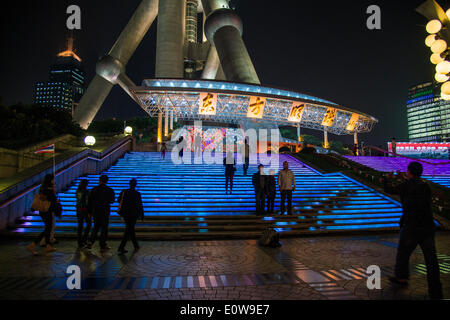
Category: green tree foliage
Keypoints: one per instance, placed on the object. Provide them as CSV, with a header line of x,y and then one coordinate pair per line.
x,y
22,125
144,128
289,133
309,139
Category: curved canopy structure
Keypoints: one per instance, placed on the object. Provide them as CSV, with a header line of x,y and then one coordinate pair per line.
x,y
230,102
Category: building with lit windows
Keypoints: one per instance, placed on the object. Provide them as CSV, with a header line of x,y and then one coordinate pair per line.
x,y
66,83
428,114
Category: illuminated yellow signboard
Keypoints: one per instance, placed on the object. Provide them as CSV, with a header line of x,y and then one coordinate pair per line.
x,y
208,103
256,107
352,122
296,112
329,117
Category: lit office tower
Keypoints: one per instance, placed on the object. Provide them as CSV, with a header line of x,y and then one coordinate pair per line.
x,y
65,85
428,115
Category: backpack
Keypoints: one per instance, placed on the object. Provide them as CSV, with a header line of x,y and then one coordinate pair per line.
x,y
270,238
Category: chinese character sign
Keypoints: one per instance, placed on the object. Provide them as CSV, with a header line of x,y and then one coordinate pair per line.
x,y
256,107
296,112
208,103
352,122
329,117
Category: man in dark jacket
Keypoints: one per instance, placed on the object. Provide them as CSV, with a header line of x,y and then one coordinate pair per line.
x,y
271,191
259,183
416,228
99,201
131,208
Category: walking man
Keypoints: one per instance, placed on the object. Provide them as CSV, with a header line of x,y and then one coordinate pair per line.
x,y
99,201
271,191
130,209
259,183
286,183
416,228
228,162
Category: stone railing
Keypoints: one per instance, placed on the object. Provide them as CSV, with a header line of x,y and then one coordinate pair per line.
x,y
17,199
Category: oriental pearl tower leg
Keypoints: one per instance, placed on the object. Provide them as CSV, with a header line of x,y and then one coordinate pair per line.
x,y
111,68
223,28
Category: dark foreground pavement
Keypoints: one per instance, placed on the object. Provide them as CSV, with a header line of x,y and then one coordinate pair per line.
x,y
308,268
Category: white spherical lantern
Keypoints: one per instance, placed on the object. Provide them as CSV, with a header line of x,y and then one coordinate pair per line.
x,y
445,96
445,89
443,67
439,46
434,26
128,130
430,40
89,140
441,77
448,13
436,58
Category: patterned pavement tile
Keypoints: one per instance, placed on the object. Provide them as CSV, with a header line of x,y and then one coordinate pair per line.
x,y
332,268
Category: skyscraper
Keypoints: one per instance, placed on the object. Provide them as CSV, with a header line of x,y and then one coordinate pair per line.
x,y
428,114
65,85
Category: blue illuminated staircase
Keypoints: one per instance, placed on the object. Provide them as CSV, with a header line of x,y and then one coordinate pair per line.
x,y
189,201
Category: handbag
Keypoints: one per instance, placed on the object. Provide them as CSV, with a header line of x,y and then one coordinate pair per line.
x,y
40,203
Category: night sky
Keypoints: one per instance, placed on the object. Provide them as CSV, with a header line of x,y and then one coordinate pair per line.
x,y
318,47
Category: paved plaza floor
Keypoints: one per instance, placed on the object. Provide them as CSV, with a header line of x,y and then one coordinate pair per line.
x,y
315,268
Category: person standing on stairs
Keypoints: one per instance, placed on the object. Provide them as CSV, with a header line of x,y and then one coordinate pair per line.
x,y
82,213
163,150
99,202
245,154
230,168
271,191
259,184
130,209
48,192
197,145
286,183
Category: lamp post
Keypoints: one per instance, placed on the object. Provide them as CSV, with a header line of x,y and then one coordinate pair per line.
x,y
89,141
128,130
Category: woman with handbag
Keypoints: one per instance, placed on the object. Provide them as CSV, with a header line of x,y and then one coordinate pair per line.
x,y
45,202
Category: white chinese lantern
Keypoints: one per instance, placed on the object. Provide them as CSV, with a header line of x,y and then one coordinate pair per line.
x,y
439,46
436,58
441,77
443,67
445,89
430,40
434,26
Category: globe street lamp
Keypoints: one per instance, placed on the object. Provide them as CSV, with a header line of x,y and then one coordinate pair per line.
x,y
89,141
128,130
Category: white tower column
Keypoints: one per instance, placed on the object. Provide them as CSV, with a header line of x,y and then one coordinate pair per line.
x,y
171,120
325,138
166,123
170,39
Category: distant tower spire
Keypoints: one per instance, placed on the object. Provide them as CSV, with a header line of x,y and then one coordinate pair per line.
x,y
69,52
